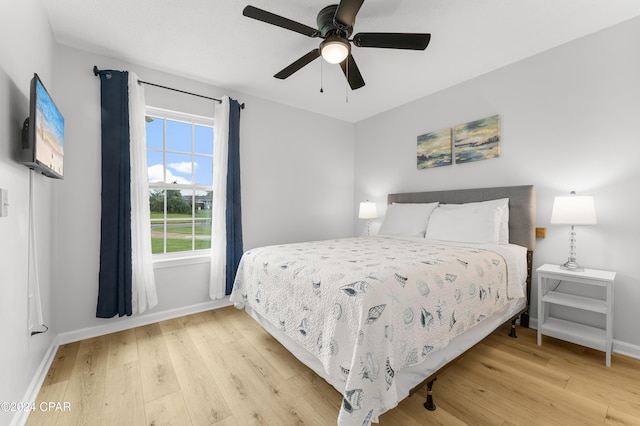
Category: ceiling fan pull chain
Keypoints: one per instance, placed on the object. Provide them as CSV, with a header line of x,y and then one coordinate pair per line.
x,y
346,84
321,89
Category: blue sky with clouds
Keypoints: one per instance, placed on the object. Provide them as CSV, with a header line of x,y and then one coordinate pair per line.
x,y
179,152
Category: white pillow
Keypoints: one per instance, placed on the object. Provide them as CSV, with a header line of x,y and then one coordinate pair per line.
x,y
407,219
466,224
503,237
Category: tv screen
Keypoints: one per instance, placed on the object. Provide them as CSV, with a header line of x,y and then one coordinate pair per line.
x,y
43,135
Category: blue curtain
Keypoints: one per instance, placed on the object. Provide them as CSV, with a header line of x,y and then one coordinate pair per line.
x,y
234,210
114,292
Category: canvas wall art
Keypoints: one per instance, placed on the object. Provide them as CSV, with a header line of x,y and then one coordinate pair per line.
x,y
477,140
434,149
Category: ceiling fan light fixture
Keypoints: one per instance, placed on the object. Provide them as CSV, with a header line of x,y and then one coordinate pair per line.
x,y
335,49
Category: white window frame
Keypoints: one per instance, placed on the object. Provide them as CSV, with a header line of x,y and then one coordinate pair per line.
x,y
179,258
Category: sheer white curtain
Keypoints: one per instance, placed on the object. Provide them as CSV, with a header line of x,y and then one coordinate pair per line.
x,y
143,291
217,280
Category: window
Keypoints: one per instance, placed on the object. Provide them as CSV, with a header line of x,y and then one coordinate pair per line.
x,y
180,171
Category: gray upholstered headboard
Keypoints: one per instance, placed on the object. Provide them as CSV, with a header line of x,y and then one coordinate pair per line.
x,y
522,206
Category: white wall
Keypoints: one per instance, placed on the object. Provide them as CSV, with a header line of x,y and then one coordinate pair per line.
x,y
297,182
26,47
569,122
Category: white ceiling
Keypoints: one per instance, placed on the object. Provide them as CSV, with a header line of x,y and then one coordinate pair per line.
x,y
210,41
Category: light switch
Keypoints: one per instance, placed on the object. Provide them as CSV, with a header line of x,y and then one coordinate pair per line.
x,y
4,202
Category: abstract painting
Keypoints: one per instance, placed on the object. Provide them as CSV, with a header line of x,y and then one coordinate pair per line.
x,y
477,140
434,149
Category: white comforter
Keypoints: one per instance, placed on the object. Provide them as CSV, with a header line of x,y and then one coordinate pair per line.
x,y
366,307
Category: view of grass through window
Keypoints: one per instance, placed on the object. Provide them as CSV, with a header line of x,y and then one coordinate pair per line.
x,y
180,163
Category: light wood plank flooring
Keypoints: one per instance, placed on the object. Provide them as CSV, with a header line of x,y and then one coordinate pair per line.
x,y
221,368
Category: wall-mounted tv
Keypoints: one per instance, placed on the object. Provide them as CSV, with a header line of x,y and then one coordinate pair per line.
x,y
43,133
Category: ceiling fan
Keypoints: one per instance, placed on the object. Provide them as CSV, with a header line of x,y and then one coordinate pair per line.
x,y
335,26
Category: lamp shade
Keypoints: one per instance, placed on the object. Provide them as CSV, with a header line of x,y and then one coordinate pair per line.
x,y
367,210
573,210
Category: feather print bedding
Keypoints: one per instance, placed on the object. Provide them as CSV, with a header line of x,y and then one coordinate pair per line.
x,y
367,307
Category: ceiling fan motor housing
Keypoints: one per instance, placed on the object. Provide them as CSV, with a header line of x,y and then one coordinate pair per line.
x,y
328,26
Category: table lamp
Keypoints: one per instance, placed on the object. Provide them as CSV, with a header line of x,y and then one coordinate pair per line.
x,y
573,210
368,211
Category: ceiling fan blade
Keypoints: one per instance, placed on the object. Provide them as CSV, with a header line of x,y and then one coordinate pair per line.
x,y
351,71
412,41
347,11
279,21
306,59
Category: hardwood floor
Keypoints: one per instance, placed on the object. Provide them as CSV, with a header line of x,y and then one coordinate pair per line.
x,y
221,368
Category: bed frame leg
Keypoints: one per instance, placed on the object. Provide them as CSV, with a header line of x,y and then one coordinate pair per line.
x,y
512,333
429,405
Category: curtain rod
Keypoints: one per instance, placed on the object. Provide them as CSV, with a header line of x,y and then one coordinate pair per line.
x,y
96,71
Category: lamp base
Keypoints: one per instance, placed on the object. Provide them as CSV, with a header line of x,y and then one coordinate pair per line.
x,y
571,265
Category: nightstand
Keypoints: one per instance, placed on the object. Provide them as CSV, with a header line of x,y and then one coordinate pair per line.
x,y
549,279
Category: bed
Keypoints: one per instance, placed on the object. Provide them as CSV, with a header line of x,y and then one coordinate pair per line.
x,y
379,317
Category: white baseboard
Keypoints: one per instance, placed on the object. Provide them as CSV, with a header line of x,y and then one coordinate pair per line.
x,y
20,418
619,347
626,349
137,321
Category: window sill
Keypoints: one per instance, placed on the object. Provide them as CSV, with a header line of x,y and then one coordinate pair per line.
x,y
163,261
